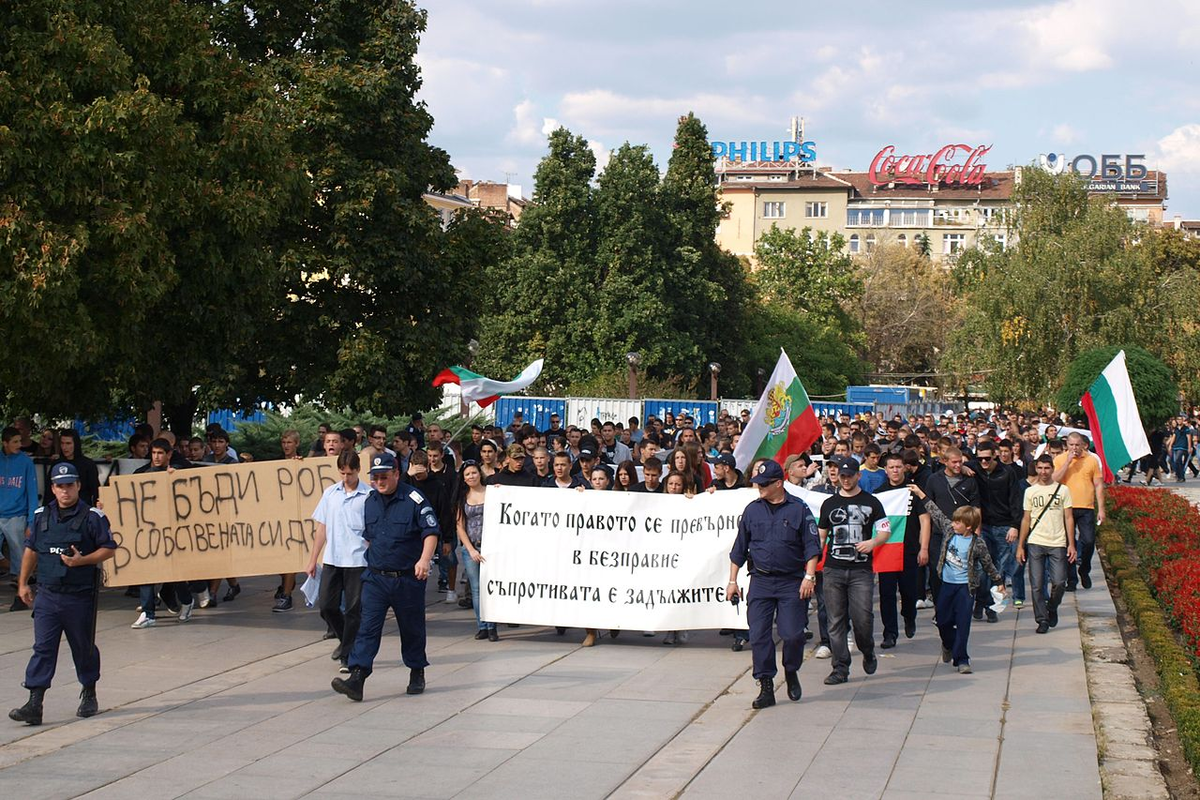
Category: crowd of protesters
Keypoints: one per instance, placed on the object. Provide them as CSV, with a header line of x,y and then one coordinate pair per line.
x,y
993,475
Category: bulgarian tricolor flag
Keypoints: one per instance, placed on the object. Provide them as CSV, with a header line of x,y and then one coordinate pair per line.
x,y
485,391
1113,418
895,502
783,422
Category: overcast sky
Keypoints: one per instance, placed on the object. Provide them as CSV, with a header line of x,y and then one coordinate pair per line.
x,y
1078,76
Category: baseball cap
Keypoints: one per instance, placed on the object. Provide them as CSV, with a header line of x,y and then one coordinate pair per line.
x,y
384,462
727,460
767,472
586,452
848,466
64,472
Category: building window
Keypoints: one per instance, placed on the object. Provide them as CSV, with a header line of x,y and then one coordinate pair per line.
x,y
953,243
949,216
870,242
816,210
902,240
854,243
909,218
1138,214
1001,239
869,217
773,210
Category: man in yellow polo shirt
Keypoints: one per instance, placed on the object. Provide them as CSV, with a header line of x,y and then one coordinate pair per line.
x,y
1080,471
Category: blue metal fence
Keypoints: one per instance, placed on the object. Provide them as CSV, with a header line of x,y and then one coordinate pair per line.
x,y
229,420
536,411
833,409
704,411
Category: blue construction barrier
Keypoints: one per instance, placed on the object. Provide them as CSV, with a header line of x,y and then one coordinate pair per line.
x,y
833,409
703,411
109,430
229,420
536,411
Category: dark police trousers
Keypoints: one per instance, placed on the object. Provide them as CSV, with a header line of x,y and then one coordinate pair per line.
x,y
405,596
56,613
776,599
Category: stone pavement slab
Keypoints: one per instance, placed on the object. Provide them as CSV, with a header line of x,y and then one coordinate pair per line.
x,y
237,703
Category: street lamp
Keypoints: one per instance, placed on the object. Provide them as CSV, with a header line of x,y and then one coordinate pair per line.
x,y
761,375
634,360
714,370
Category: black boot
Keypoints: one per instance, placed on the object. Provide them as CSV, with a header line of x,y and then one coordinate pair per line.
x,y
31,712
352,687
766,695
793,684
416,681
89,706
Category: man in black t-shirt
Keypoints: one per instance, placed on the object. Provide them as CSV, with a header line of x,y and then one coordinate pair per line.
x,y
852,524
916,555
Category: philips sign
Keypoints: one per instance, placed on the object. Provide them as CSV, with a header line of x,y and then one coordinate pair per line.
x,y
804,152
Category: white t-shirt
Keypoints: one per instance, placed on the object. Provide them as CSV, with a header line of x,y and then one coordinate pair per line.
x,y
341,512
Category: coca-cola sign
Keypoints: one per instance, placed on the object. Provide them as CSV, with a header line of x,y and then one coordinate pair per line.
x,y
954,164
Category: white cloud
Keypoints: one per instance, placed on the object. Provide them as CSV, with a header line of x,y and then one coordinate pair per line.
x,y
610,113
550,125
1179,150
602,153
1063,133
525,128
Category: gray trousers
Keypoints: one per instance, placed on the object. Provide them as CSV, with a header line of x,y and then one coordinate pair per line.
x,y
14,534
1039,558
849,598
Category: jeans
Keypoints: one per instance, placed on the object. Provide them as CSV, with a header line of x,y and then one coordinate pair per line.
x,y
1179,460
149,595
472,569
14,534
1085,544
338,583
1040,558
1004,556
906,582
848,596
445,563
954,619
822,611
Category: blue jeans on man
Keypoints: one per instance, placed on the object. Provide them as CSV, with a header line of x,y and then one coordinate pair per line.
x,y
1179,460
1004,556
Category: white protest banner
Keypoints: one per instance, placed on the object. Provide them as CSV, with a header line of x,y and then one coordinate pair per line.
x,y
224,521
610,560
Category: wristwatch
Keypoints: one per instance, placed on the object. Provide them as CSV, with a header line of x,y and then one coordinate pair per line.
x,y
812,578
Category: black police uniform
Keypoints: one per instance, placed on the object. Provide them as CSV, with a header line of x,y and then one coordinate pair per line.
x,y
66,598
778,540
395,528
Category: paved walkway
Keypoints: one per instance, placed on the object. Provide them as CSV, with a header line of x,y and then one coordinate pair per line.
x,y
237,703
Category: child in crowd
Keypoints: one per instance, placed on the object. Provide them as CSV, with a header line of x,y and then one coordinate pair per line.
x,y
963,555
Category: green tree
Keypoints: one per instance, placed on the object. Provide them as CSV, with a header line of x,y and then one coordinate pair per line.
x,y
712,293
807,270
373,306
1153,388
824,359
143,173
1080,276
541,307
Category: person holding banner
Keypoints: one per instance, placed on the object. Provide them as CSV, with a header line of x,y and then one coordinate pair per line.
x,y
777,540
401,530
67,542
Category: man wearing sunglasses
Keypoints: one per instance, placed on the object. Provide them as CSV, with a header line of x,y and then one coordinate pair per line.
x,y
1001,500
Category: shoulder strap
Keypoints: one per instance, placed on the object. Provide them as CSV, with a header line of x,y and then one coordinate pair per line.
x,y
1046,508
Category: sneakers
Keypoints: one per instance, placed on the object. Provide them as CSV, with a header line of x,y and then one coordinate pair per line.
x,y
977,613
682,637
1052,613
964,669
924,604
833,679
1085,580
185,611
822,652
206,599
465,601
739,642
169,601
671,638
233,592
452,597
946,655
143,622
991,616
1043,627
1018,603
283,604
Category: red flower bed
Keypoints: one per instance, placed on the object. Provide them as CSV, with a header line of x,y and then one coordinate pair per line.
x,y
1167,538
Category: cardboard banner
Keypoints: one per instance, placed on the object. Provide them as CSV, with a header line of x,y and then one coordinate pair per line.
x,y
610,560
221,522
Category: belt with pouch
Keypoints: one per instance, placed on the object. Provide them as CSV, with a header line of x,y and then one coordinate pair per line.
x,y
396,573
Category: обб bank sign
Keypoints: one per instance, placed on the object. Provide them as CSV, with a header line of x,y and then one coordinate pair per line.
x,y
944,166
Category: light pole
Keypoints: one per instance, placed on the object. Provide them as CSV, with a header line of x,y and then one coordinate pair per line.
x,y
634,360
472,350
761,375
714,370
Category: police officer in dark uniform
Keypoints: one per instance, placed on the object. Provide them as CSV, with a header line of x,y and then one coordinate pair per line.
x,y
67,542
401,531
778,537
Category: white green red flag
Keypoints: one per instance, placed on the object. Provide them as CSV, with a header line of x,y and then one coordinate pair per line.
x,y
1113,417
783,422
896,502
485,391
